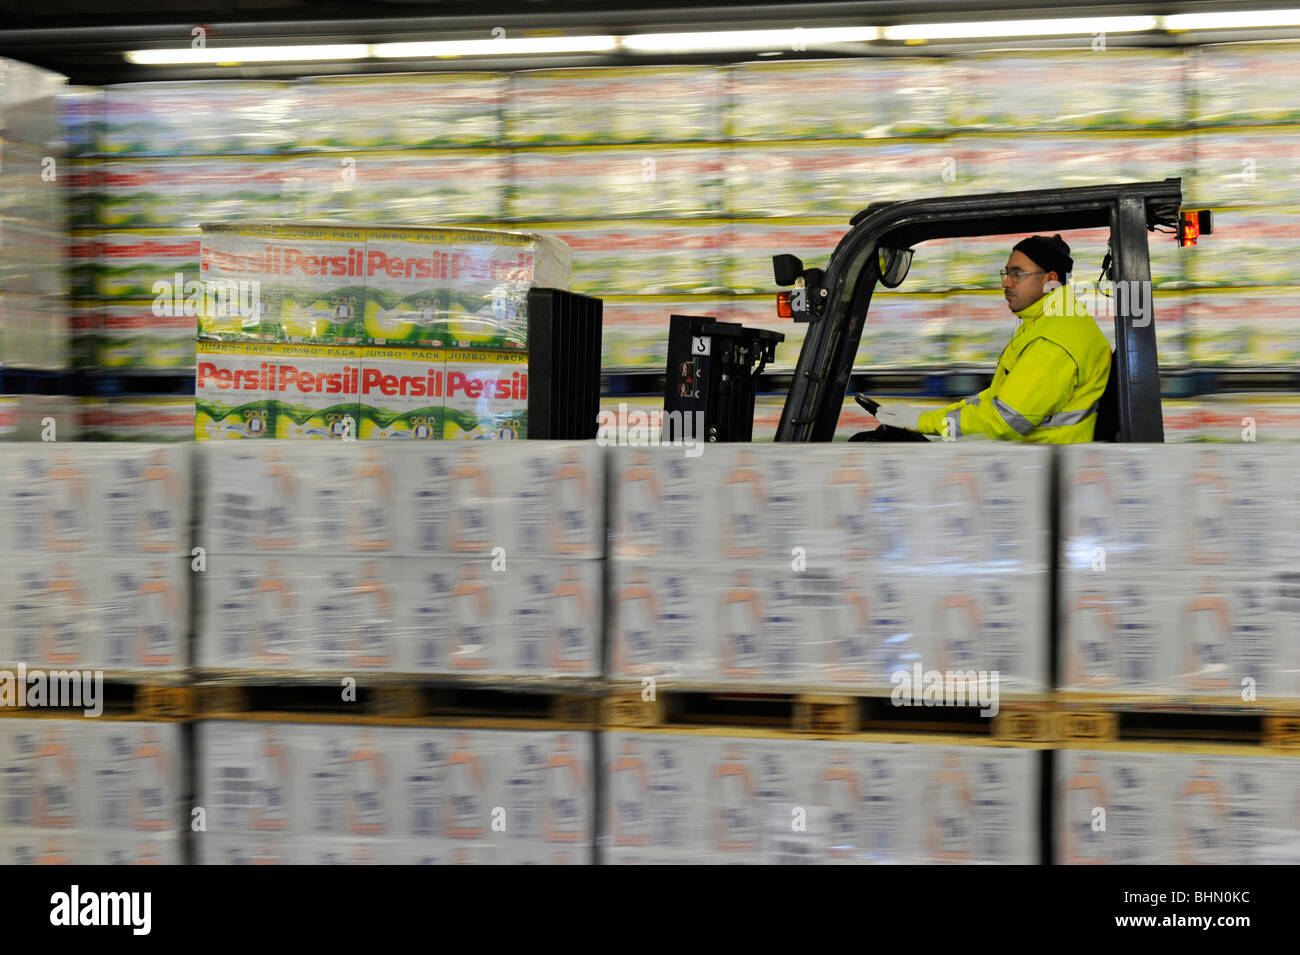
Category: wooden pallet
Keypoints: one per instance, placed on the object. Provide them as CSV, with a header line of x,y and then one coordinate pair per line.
x,y
121,701
817,714
398,703
1105,725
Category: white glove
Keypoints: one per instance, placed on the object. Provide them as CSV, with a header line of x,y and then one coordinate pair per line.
x,y
900,416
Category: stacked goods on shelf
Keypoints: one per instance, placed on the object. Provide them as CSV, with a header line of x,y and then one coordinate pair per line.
x,y
434,157
95,559
638,258
1176,571
1137,89
1264,417
637,105
1244,84
419,187
81,113
290,794
467,559
841,179
391,323
1244,326
1176,808
420,111
199,118
652,181
34,325
719,799
1246,170
129,334
167,157
726,570
153,419
91,792
839,99
38,417
1249,247
642,175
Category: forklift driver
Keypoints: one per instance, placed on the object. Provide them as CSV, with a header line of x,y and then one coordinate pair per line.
x,y
1051,374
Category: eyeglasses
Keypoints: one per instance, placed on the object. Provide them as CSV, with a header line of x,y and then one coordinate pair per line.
x,y
1018,274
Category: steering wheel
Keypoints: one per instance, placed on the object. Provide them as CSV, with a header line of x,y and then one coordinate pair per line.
x,y
884,432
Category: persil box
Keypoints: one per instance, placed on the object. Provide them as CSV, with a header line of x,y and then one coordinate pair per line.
x,y
354,284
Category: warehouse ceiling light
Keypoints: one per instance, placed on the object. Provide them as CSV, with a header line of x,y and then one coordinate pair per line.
x,y
503,46
921,32
248,54
1235,20
794,38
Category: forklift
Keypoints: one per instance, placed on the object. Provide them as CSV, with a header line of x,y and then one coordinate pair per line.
x,y
713,366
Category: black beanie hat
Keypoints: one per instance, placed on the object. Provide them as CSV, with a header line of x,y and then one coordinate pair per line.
x,y
1049,254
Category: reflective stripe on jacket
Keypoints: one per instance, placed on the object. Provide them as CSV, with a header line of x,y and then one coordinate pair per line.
x,y
1048,381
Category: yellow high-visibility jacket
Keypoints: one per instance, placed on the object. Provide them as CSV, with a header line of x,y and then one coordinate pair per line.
x,y
1048,381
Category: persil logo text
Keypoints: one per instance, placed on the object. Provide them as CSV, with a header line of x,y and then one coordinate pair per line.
x,y
427,382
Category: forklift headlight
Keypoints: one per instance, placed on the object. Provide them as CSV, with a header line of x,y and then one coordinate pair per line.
x,y
1192,224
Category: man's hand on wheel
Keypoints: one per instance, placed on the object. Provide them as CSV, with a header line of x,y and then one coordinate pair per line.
x,y
900,416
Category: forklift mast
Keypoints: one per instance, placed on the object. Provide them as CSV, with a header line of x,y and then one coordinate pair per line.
x,y
879,246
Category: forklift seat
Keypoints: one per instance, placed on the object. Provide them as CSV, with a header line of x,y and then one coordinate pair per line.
x,y
1107,428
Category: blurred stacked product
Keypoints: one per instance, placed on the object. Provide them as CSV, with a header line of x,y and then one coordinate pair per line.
x,y
469,559
1138,89
144,418
92,792
1176,808
717,799
638,105
420,149
339,332
839,99
1246,168
1177,566
289,794
421,187
466,561
94,567
34,325
726,570
39,417
154,160
640,182
1258,416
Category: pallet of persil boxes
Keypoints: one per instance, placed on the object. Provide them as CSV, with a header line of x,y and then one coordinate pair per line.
x,y
827,567
341,331
321,795
1178,572
447,558
92,792
95,557
716,799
